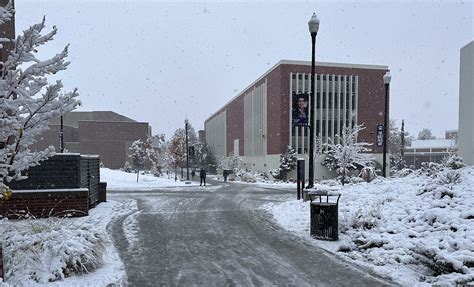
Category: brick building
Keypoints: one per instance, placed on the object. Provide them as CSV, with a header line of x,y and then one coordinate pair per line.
x,y
102,133
257,123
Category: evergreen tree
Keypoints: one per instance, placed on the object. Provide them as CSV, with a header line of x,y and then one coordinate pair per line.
x,y
288,162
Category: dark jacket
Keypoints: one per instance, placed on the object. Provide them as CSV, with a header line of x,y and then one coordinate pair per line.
x,y
202,173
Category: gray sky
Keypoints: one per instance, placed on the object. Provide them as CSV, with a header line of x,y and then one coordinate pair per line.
x,y
161,61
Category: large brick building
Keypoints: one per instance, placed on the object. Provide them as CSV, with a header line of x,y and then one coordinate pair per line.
x,y
102,133
257,123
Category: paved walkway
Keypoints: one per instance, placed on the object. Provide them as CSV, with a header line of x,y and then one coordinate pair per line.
x,y
217,236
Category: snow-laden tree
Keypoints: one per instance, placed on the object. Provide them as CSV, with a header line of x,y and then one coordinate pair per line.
x,y
348,153
177,148
426,134
232,162
144,152
137,155
288,161
27,100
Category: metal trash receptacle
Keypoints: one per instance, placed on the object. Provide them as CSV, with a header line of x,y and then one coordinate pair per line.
x,y
324,216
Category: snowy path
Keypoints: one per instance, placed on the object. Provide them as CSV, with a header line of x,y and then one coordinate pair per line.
x,y
217,237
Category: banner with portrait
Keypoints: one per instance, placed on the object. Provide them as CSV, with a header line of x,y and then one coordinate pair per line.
x,y
300,109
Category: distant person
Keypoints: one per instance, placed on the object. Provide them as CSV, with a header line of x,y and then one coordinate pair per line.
x,y
224,173
193,173
202,175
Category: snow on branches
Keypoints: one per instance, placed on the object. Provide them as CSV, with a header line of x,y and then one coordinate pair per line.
x,y
28,101
348,153
287,163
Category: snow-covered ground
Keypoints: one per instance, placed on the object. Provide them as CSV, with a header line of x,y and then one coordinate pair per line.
x,y
119,180
37,250
415,229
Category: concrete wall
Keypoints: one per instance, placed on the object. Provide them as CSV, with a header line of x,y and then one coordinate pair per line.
x,y
466,104
216,135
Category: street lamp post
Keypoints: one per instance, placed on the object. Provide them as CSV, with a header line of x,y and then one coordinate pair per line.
x,y
61,136
313,25
187,149
386,80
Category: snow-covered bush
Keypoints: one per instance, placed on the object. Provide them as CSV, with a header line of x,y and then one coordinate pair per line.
x,y
404,172
50,250
453,161
438,259
248,177
127,167
288,162
431,169
368,173
361,218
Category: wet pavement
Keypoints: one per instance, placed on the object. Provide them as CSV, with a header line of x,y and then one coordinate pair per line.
x,y
217,236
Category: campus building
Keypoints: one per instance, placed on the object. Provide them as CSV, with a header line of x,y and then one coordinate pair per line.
x,y
258,124
434,150
103,133
466,104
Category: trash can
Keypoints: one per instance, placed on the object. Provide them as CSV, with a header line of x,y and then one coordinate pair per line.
x,y
324,216
103,192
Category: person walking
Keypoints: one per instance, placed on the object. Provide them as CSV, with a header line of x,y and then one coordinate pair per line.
x,y
202,175
224,173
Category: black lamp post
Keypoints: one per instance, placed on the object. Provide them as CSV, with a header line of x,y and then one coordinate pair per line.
x,y
61,136
313,25
386,80
187,149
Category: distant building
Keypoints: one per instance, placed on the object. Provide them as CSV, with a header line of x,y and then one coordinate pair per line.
x,y
466,104
102,133
258,124
451,134
430,150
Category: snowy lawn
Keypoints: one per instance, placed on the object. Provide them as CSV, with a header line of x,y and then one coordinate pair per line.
x,y
119,180
417,229
64,251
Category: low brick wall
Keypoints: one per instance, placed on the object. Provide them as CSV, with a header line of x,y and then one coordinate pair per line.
x,y
45,203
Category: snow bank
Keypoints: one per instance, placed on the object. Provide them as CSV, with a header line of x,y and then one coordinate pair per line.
x,y
119,180
64,251
416,229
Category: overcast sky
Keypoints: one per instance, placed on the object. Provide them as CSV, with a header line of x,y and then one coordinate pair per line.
x,y
159,62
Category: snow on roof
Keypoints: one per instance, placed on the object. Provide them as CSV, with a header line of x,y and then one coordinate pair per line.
x,y
436,143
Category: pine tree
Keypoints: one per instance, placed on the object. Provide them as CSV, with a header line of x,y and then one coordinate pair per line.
x,y
288,162
27,100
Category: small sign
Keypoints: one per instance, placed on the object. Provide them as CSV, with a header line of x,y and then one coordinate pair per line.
x,y
380,135
191,151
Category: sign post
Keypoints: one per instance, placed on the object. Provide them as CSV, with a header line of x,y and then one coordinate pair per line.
x,y
299,178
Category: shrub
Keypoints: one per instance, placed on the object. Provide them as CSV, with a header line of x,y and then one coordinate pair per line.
x,y
368,173
49,250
